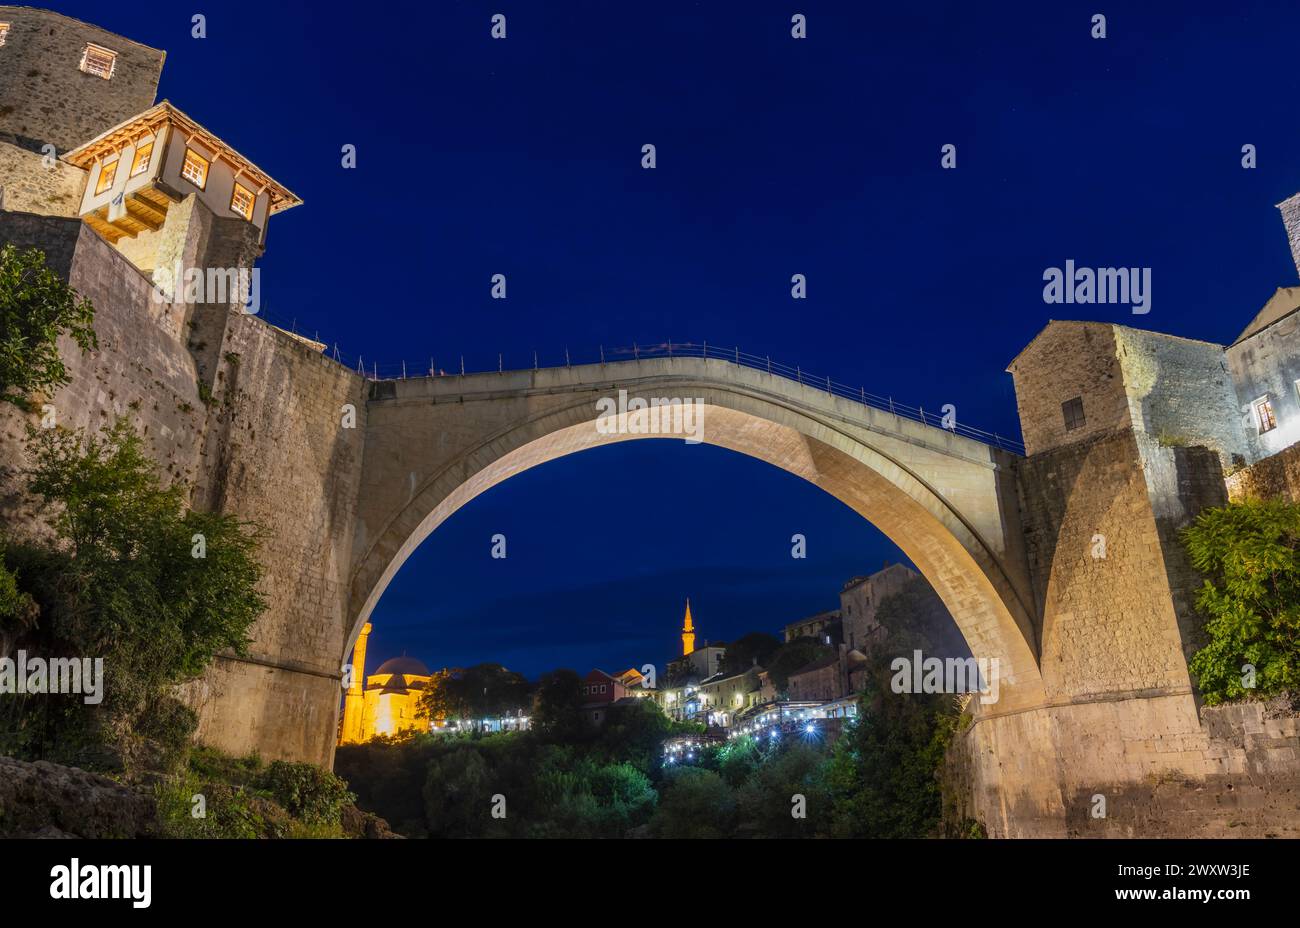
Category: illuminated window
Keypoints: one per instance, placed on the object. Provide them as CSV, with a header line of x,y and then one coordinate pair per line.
x,y
107,172
1264,415
242,200
143,154
195,169
1072,410
4,32
98,61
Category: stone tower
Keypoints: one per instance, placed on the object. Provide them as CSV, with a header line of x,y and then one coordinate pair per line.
x,y
688,632
353,701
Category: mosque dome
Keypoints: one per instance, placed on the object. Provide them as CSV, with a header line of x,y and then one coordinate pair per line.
x,y
406,666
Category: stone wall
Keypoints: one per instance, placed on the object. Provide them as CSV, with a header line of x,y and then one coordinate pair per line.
x,y
275,452
44,94
1102,509
141,370
1068,360
1159,769
30,183
1290,209
269,447
860,600
1177,390
1106,623
1180,392
1267,365
1277,476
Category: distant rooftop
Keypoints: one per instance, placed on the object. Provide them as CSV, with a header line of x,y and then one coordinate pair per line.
x,y
1283,302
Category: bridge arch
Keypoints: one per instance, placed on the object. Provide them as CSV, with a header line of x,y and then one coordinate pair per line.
x,y
948,502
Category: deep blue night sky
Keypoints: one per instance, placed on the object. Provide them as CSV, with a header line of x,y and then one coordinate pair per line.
x,y
775,157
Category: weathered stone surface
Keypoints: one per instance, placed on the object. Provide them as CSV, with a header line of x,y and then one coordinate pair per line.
x,y
1177,391
358,824
33,184
1274,477
43,800
44,94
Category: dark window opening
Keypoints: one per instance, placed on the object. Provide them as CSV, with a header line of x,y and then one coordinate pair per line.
x,y
1073,412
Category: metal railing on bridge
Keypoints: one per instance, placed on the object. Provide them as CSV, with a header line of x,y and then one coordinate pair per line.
x,y
403,371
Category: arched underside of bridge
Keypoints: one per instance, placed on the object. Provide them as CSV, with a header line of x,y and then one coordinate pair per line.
x,y
965,569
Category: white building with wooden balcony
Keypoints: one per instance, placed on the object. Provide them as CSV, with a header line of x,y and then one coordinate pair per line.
x,y
138,170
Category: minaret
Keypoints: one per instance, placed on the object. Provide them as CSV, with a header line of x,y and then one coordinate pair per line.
x,y
688,631
353,701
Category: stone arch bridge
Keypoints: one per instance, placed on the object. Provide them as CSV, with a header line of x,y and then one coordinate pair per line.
x,y
947,500
1094,692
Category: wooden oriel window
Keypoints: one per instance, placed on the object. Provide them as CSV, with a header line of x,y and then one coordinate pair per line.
x,y
143,155
195,169
107,171
242,200
98,61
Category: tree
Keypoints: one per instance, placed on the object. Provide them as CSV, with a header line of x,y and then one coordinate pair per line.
x,y
17,608
696,804
437,702
153,588
478,692
792,655
766,800
458,791
915,618
557,707
1250,554
635,733
745,651
36,307
161,587
884,776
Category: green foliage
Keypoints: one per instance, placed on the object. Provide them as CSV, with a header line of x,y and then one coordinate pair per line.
x,y
313,794
227,812
695,804
745,650
133,587
793,655
389,779
633,733
36,307
914,618
458,791
765,800
557,706
240,798
884,776
18,611
738,760
125,586
565,779
1250,555
478,692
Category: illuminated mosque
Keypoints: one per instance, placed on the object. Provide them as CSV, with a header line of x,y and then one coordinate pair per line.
x,y
385,703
